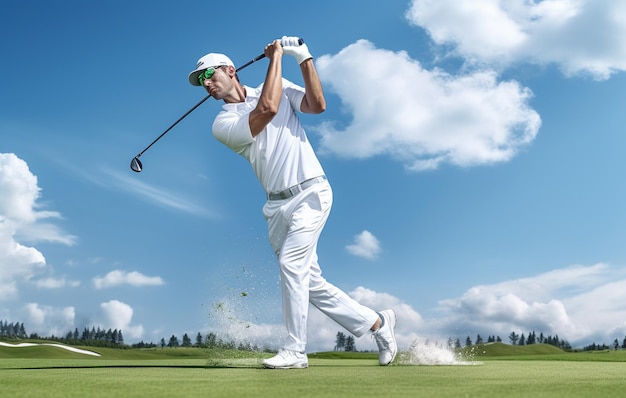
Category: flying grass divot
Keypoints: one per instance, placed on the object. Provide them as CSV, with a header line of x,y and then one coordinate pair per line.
x,y
431,354
233,358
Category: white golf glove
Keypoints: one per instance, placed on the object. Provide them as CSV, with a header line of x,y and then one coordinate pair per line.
x,y
291,46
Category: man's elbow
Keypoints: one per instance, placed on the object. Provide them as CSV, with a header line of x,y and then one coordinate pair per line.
x,y
321,107
268,111
315,107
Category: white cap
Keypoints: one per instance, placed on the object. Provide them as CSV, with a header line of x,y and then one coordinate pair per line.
x,y
209,60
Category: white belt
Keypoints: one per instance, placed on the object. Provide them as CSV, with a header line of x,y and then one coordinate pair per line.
x,y
296,189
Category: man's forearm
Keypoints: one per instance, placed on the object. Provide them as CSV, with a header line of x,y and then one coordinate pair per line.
x,y
314,101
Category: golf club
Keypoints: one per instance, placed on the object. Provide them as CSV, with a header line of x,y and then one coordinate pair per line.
x,y
136,165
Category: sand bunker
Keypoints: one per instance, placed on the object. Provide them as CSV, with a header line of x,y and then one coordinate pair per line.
x,y
65,347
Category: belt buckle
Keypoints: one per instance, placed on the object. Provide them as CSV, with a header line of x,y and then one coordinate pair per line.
x,y
293,191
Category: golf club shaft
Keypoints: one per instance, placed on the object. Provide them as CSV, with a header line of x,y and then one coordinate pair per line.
x,y
253,60
135,163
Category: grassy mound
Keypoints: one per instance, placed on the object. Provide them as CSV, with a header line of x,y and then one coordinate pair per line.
x,y
501,349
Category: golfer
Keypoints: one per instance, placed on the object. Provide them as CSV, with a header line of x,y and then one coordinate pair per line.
x,y
261,125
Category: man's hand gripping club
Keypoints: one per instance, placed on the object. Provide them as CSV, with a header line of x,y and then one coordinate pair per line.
x,y
295,47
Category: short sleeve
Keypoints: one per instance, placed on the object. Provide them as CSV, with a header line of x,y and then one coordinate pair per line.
x,y
233,130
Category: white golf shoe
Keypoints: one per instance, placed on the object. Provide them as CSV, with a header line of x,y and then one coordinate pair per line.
x,y
287,359
385,338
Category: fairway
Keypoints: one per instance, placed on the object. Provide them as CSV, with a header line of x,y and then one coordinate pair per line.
x,y
196,377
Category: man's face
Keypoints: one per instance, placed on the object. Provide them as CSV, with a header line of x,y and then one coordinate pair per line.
x,y
220,83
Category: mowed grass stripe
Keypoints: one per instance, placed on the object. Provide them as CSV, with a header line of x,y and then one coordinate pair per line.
x,y
324,378
504,371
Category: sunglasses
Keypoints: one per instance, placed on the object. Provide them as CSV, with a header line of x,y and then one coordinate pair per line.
x,y
207,74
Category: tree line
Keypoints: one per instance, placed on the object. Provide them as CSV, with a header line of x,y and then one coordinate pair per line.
x,y
343,343
514,339
533,338
211,340
95,336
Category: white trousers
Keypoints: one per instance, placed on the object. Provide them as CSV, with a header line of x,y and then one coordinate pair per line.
x,y
294,226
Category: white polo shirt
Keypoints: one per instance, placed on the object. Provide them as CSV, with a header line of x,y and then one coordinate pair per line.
x,y
281,155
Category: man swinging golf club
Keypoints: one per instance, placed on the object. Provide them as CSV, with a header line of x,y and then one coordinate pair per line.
x,y
261,125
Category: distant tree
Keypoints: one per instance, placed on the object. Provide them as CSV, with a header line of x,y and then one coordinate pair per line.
x,y
186,341
22,331
616,344
450,343
522,340
557,342
457,343
211,340
141,344
479,340
513,337
624,343
198,340
542,339
163,342
596,347
468,342
498,339
340,341
108,336
173,343
350,344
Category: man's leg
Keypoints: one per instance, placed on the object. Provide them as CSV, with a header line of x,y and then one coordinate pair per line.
x,y
338,306
355,317
294,228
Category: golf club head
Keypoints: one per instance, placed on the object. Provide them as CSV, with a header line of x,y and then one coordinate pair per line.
x,y
135,165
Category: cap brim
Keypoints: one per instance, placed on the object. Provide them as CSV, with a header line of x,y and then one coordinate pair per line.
x,y
193,77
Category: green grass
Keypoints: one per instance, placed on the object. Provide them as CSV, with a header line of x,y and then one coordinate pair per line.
x,y
499,351
501,371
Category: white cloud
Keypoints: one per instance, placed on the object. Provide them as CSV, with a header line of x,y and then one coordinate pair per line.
x,y
365,245
47,320
56,283
119,277
150,193
119,315
579,303
20,219
423,118
580,36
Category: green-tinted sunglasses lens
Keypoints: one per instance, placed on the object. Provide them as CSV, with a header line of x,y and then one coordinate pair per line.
x,y
207,74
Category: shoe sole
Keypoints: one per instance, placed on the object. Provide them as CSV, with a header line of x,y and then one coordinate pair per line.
x,y
296,366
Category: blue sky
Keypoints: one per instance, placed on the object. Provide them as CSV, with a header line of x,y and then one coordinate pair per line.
x,y
476,152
